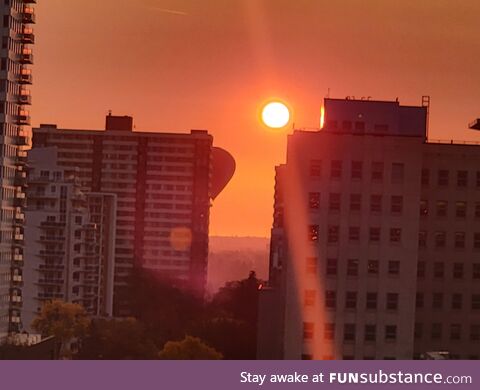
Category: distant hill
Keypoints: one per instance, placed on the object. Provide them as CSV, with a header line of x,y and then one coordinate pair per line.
x,y
232,258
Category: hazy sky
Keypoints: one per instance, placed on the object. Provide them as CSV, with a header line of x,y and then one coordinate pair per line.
x,y
209,64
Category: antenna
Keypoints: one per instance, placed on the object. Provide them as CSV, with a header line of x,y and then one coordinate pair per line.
x,y
426,104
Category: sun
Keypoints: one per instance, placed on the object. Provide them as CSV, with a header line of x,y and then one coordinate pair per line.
x,y
275,115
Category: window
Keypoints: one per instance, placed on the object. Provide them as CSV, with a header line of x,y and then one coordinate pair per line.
x,y
425,177
347,125
418,330
455,331
477,209
355,202
374,234
461,209
458,271
377,171
393,267
336,169
457,301
314,200
359,127
437,301
459,240
311,266
306,356
354,233
423,208
436,331
308,330
440,239
419,300
78,220
332,265
313,233
356,169
476,271
380,128
352,267
442,208
309,298
351,300
475,332
422,238
395,235
438,270
442,178
334,202
315,168
371,303
370,332
392,301
329,331
349,332
475,301
462,178
397,172
476,240
391,332
330,299
421,269
376,203
396,204
333,233
372,267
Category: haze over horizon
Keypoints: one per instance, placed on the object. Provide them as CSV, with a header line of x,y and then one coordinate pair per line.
x,y
176,65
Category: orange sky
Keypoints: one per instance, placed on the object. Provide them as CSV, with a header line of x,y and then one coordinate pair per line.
x,y
181,64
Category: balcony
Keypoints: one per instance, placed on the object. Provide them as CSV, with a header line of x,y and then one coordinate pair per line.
x,y
19,201
18,257
16,300
21,139
26,56
51,267
23,118
25,76
27,36
28,15
20,178
17,280
55,282
24,97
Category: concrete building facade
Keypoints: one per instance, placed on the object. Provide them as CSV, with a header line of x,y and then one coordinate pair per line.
x,y
164,183
15,76
348,240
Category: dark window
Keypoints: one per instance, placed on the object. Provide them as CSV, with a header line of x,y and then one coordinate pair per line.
x,y
419,300
374,234
357,169
371,303
355,202
349,332
442,208
438,270
308,330
421,269
359,127
459,240
333,233
458,271
354,233
373,267
462,178
397,172
475,332
315,168
475,301
352,267
478,179
376,203
442,177
440,239
351,300
461,209
476,270
418,330
370,332
396,204
423,208
313,233
336,169
476,240
392,301
436,331
395,235
422,238
390,332
330,299
457,301
393,267
425,177
314,200
477,210
437,301
455,331
332,267
377,171
347,125
329,331
334,202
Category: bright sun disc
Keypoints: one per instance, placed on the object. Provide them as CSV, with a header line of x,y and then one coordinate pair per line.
x,y
275,115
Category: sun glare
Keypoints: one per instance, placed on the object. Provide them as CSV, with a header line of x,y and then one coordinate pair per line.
x,y
275,115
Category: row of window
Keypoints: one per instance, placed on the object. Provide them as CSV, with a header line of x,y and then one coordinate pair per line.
x,y
441,208
333,234
456,301
351,299
455,332
349,332
377,170
438,271
353,267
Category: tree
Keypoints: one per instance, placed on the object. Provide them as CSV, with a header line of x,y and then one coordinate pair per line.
x,y
117,339
68,322
190,348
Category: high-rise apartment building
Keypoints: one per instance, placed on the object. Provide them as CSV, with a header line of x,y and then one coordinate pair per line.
x,y
15,76
69,240
374,249
164,183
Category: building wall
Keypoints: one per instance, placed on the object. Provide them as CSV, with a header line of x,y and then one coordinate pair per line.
x,y
15,56
162,182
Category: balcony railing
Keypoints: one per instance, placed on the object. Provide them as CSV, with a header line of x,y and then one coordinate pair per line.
x,y
25,76
24,97
28,15
26,56
27,36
